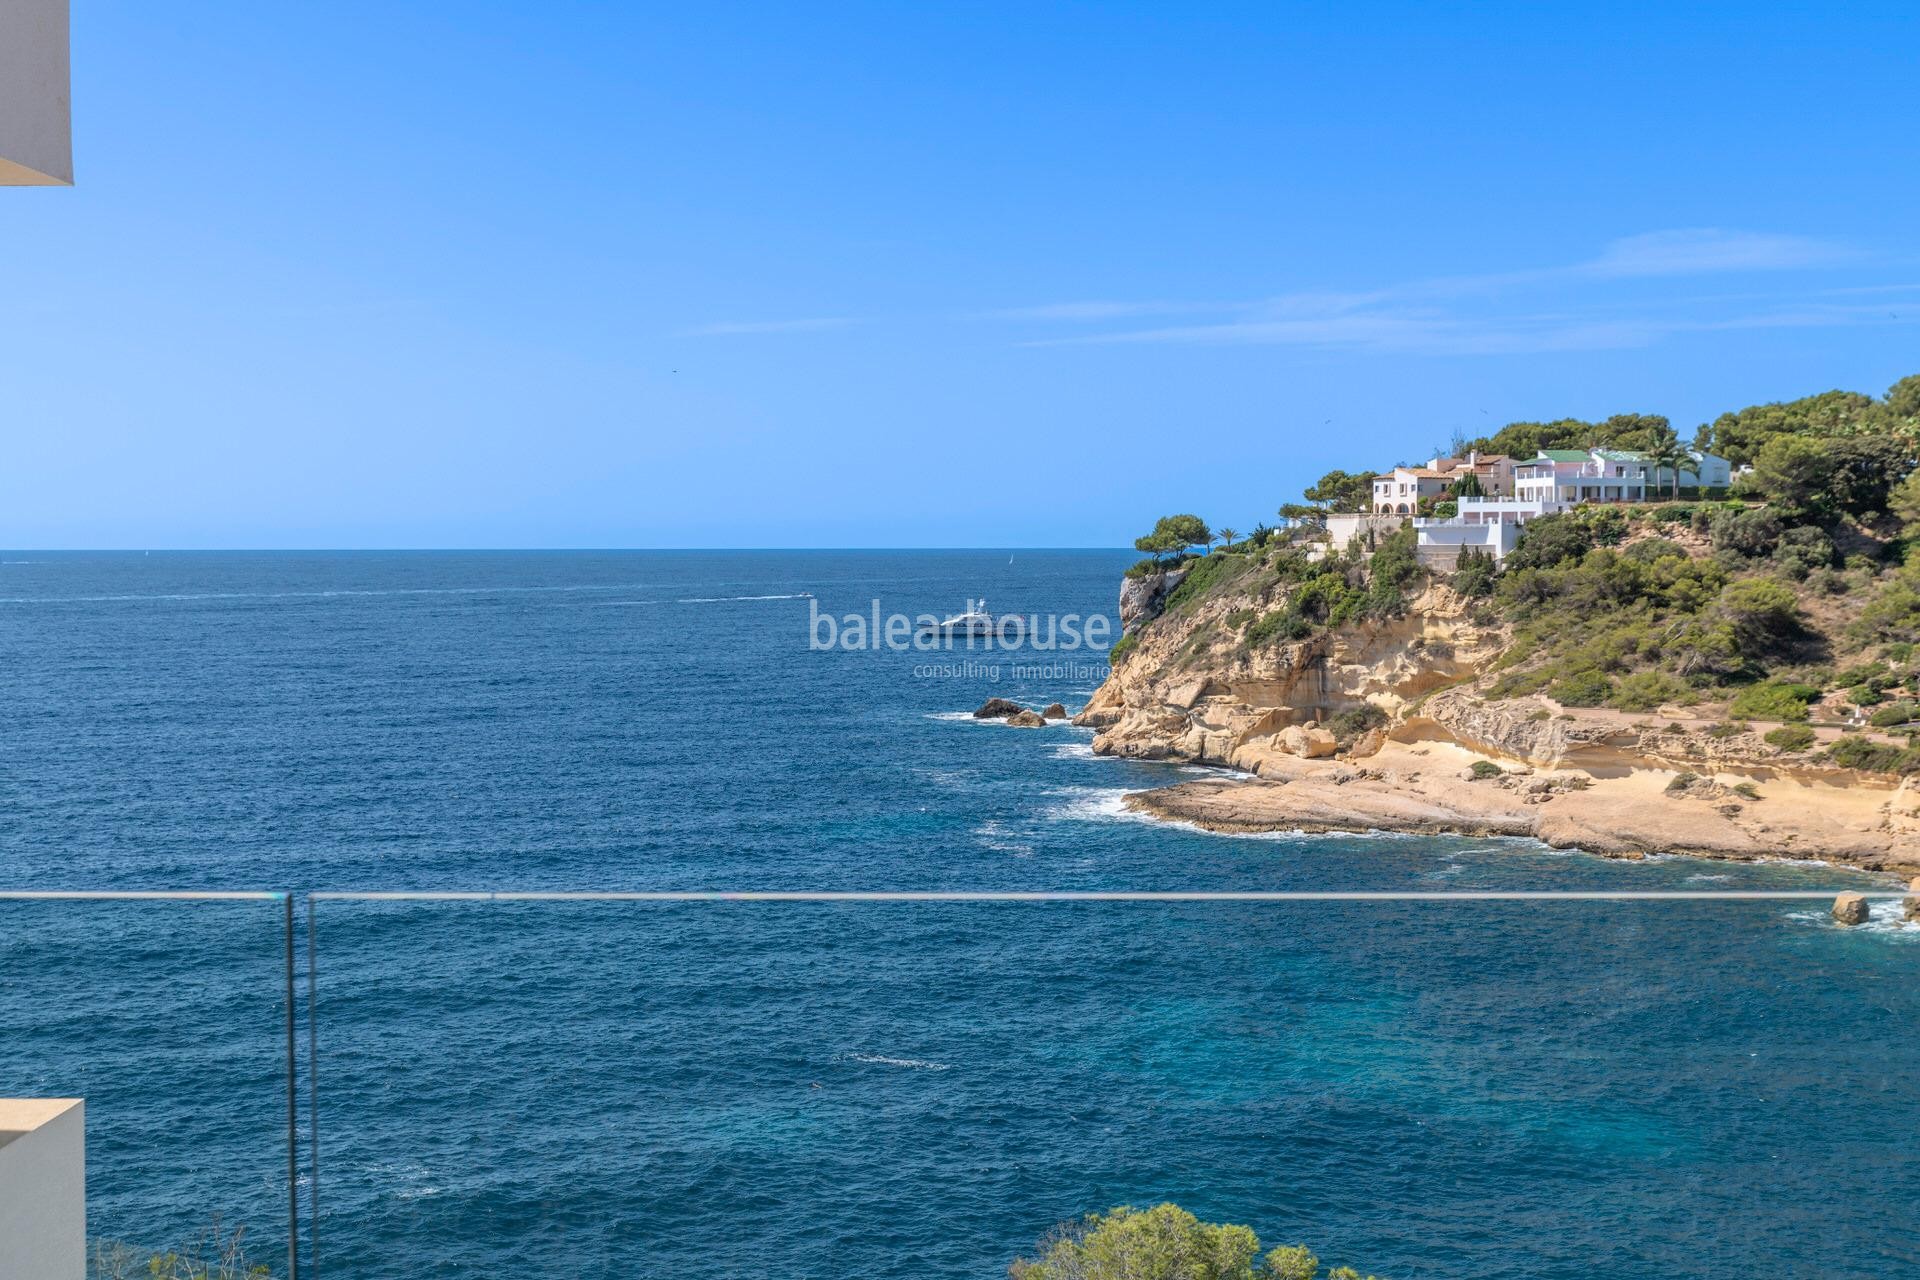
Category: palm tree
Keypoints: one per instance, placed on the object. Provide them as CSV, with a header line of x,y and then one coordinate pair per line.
x,y
1226,538
1667,453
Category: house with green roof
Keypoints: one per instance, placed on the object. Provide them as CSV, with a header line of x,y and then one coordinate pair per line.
x,y
1608,475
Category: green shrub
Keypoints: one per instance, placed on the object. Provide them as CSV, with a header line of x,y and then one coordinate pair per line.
x,y
1647,690
1281,624
1773,701
1474,573
1551,541
1791,737
1484,769
1680,782
1647,550
1856,752
1152,565
1240,618
1351,723
1204,576
1124,646
1747,789
1582,689
1801,551
216,1255
1746,532
1865,695
1163,1243
1728,729
1873,674
1894,713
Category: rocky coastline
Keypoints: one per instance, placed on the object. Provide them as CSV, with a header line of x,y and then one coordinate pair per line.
x,y
1389,728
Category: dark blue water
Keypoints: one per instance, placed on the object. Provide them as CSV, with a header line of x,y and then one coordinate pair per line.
x,y
587,1090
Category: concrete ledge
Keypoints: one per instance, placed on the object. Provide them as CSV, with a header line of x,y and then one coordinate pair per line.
x,y
36,95
43,1188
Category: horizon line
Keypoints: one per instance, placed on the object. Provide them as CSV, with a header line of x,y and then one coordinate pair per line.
x,y
583,549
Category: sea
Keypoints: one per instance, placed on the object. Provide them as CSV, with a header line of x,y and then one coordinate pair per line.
x,y
555,1088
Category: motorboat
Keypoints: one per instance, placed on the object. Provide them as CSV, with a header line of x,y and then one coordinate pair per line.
x,y
977,621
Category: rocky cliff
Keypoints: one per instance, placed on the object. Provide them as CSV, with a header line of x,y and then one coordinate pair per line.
x,y
1388,725
1194,686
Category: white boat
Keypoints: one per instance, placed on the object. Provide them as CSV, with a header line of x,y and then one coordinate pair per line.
x,y
976,621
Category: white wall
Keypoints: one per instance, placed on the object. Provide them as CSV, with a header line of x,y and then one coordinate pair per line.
x,y
36,126
43,1188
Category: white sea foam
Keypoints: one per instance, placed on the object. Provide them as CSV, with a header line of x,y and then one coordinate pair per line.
x,y
1886,917
993,834
1073,751
951,779
615,604
412,1175
1092,804
915,1064
1108,804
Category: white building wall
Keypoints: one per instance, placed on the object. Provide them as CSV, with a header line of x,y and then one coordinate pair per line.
x,y
36,126
43,1187
1440,542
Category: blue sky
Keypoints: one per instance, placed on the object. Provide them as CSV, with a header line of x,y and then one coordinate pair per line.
x,y
488,274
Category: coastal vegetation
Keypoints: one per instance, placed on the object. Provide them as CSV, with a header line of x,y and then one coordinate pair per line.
x,y
218,1254
1165,1243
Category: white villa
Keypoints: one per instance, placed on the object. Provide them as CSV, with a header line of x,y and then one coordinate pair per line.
x,y
1557,480
1401,491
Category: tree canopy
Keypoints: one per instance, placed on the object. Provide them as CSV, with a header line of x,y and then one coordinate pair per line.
x,y
1165,1243
1341,491
1740,436
1174,534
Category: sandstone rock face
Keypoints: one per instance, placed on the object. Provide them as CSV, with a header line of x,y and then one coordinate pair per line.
x,y
1910,907
1141,599
1308,743
1368,744
1241,696
1055,711
1850,908
994,708
1027,720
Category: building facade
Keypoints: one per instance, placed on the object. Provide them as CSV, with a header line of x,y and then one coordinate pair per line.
x,y
1402,490
36,115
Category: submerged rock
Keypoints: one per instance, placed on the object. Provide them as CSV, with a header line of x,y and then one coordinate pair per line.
x,y
1024,719
1850,908
994,708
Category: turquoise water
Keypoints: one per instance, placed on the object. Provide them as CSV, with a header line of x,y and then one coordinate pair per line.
x,y
584,1090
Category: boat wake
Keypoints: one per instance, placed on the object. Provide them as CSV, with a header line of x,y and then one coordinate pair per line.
x,y
914,1064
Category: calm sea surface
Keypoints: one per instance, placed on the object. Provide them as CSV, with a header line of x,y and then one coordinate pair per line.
x,y
613,1090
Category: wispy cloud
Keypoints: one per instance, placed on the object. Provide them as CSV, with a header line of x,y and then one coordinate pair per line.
x,y
1101,310
736,328
1701,250
1465,315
